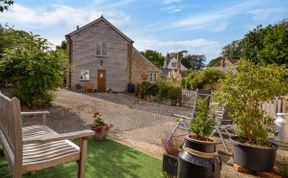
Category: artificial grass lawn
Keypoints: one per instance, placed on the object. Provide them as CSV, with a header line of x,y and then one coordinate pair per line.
x,y
105,159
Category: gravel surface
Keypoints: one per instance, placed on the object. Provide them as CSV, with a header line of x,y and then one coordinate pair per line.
x,y
121,116
137,123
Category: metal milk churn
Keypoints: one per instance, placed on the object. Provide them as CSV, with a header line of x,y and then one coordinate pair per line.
x,y
281,127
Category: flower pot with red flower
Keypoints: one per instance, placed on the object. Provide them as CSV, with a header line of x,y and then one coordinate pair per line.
x,y
100,127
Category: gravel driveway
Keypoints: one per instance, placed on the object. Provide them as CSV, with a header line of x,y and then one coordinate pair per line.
x,y
137,123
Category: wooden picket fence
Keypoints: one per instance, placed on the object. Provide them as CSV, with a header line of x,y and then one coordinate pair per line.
x,y
277,105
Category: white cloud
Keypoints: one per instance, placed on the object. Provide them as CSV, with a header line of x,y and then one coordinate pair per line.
x,y
58,20
63,14
217,20
173,9
210,49
199,21
261,14
171,1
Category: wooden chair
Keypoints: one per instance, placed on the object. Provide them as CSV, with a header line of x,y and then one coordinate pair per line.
x,y
37,147
184,123
89,87
185,120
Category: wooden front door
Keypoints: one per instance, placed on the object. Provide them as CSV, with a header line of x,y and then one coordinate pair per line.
x,y
101,80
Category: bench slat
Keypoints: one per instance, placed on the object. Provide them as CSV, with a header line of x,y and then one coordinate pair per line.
x,y
40,155
37,147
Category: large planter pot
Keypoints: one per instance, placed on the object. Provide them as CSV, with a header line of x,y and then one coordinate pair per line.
x,y
204,146
199,159
101,132
170,164
252,157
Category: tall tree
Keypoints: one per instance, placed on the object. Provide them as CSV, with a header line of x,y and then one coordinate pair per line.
x,y
7,40
155,57
4,4
232,50
62,46
252,43
267,45
32,67
215,62
194,62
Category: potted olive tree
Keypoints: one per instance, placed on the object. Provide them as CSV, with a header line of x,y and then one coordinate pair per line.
x,y
199,157
243,91
100,127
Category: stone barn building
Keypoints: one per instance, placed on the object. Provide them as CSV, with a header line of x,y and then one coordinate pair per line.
x,y
101,55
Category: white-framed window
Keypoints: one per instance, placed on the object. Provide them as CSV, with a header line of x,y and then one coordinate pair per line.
x,y
101,49
84,75
174,64
152,77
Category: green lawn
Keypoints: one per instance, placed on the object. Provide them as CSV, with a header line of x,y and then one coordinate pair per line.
x,y
105,159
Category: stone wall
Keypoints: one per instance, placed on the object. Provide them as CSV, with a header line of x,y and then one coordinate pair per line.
x,y
84,56
141,68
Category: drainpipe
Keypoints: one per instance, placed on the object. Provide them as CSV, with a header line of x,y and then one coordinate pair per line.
x,y
130,46
69,55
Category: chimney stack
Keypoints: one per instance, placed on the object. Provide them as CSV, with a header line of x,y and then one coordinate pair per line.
x,y
77,27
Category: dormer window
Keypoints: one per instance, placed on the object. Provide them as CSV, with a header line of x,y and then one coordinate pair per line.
x,y
174,64
101,49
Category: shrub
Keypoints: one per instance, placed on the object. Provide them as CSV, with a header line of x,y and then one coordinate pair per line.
x,y
169,90
284,170
202,123
98,121
244,91
33,68
205,79
147,88
78,86
144,89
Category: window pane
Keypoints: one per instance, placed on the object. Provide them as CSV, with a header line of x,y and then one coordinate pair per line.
x,y
154,77
98,49
150,77
87,77
84,75
104,49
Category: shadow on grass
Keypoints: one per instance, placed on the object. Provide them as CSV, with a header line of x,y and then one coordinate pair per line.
x,y
105,159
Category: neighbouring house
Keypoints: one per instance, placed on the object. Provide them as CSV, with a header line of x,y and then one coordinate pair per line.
x,y
103,56
173,68
227,64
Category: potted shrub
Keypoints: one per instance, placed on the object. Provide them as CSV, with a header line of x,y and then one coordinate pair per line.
x,y
172,146
243,91
199,157
78,87
100,127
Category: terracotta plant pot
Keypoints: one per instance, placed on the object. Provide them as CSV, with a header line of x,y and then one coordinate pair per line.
x,y
101,132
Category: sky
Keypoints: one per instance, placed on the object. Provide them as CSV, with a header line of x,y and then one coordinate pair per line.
x,y
200,26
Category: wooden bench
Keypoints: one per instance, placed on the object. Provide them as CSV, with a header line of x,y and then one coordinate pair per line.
x,y
37,147
89,87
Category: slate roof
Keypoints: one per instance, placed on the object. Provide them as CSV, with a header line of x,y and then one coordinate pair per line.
x,y
99,20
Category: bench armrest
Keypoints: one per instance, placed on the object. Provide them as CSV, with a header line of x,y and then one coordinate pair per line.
x,y
57,137
182,116
43,113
